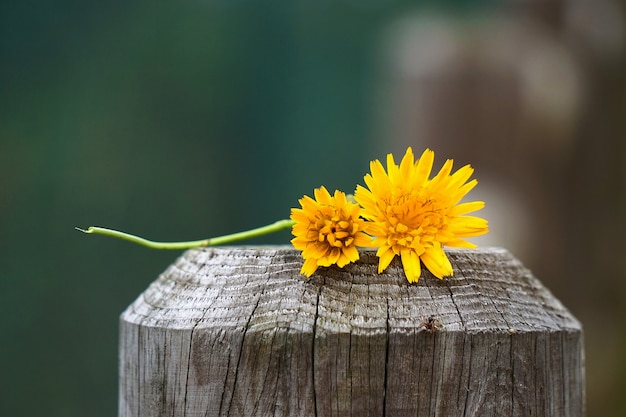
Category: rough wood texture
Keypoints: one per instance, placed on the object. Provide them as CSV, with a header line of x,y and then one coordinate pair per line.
x,y
238,332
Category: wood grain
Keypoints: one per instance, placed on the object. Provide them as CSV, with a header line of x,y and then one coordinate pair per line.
x,y
237,331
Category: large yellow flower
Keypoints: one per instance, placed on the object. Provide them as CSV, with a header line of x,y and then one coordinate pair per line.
x,y
327,230
413,216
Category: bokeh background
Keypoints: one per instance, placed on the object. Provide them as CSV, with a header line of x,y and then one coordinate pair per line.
x,y
184,120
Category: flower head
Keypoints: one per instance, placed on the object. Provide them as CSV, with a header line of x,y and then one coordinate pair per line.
x,y
413,216
327,230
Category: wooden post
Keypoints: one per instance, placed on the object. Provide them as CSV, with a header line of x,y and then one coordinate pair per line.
x,y
239,332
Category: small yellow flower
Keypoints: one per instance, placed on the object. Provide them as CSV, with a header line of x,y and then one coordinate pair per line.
x,y
327,230
413,216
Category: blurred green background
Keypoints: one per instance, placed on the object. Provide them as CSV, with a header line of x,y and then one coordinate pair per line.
x,y
186,120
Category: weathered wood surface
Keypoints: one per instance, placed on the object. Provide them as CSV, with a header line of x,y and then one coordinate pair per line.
x,y
238,332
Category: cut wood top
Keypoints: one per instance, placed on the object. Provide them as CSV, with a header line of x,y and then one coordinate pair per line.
x,y
259,288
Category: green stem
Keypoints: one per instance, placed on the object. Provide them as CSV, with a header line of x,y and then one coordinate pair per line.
x,y
220,240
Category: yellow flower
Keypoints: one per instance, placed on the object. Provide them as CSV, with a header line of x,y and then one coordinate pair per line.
x,y
327,230
413,216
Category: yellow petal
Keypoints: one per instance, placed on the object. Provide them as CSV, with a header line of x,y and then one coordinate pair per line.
x,y
458,194
309,267
392,169
385,256
411,265
459,243
469,226
443,174
468,207
361,239
352,254
406,167
437,262
322,196
424,166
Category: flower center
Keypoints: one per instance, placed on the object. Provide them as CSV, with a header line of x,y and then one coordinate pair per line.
x,y
414,222
335,230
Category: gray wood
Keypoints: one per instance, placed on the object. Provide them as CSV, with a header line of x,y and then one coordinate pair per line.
x,y
238,332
